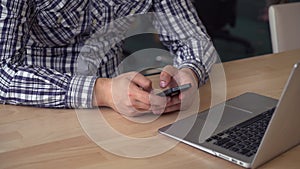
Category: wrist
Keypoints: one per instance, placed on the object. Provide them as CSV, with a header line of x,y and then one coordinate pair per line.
x,y
102,92
191,72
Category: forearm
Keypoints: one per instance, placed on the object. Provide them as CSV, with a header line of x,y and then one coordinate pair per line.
x,y
185,36
41,87
197,55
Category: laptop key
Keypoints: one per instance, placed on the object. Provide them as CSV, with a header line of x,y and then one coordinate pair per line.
x,y
244,138
235,149
209,140
244,151
222,141
228,145
249,154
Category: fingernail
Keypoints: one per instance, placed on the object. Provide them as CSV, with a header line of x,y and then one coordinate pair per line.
x,y
163,84
155,112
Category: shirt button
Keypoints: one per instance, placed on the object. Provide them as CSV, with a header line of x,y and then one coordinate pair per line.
x,y
59,19
133,11
95,22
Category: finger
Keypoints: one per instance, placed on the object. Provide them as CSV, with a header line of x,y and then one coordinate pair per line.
x,y
172,108
142,81
172,105
182,96
186,95
149,107
158,101
140,106
136,93
157,109
166,75
174,100
150,99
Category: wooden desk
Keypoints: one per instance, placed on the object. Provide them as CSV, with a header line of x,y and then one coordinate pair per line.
x,y
50,138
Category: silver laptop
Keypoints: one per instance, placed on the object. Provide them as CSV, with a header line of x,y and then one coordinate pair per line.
x,y
252,130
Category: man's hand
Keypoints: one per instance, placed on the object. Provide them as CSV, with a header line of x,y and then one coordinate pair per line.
x,y
129,94
171,77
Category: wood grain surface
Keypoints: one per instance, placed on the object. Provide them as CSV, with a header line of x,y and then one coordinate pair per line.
x,y
53,138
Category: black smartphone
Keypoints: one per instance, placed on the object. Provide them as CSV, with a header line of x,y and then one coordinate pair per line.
x,y
175,90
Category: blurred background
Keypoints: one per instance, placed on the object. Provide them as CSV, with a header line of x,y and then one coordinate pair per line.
x,y
239,29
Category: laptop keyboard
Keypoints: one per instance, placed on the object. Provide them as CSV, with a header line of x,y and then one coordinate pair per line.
x,y
245,137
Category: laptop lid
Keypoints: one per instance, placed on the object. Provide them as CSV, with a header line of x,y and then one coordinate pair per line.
x,y
283,131
236,111
249,104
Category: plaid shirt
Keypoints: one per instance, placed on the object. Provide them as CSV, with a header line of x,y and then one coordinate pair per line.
x,y
41,40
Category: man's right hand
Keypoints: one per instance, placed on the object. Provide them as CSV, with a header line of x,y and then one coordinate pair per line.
x,y
129,94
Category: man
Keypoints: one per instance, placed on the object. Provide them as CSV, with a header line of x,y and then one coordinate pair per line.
x,y
41,41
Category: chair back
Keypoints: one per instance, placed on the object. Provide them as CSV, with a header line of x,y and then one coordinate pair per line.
x,y
284,21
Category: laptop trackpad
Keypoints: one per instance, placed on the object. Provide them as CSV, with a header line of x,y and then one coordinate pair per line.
x,y
233,116
252,103
220,121
239,109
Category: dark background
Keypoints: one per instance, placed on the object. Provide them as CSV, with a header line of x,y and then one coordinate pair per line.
x,y
249,26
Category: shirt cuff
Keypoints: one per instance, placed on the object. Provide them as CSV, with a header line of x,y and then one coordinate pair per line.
x,y
198,69
80,93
